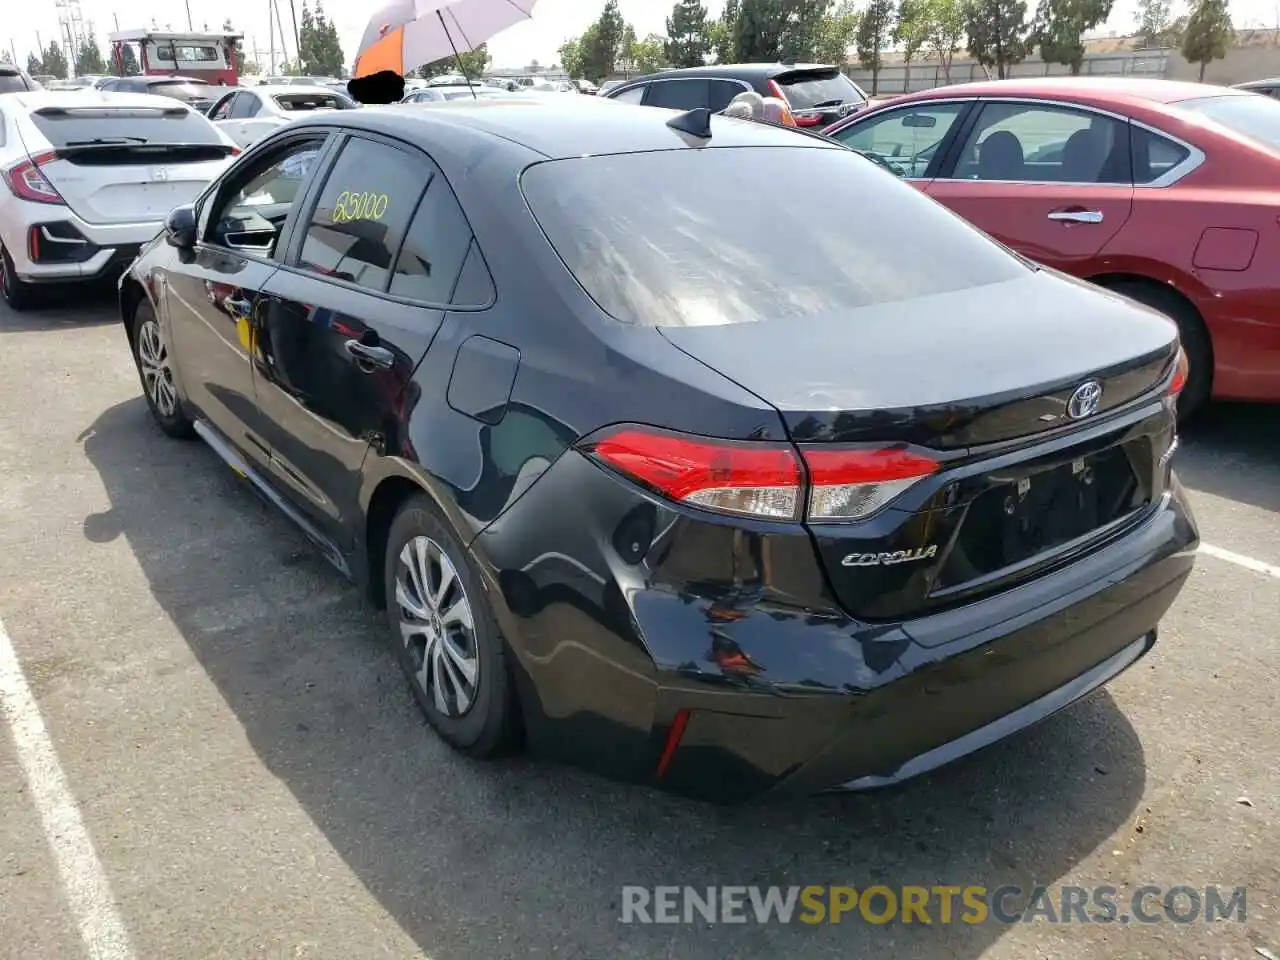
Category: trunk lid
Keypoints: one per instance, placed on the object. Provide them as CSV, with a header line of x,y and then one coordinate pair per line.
x,y
979,381
118,163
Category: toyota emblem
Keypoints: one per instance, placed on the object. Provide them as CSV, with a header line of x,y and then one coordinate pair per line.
x,y
1085,400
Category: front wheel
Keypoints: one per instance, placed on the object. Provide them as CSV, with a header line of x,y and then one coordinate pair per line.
x,y
155,369
444,634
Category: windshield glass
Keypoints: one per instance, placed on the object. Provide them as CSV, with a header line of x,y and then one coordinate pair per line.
x,y
805,90
184,90
703,257
133,125
1251,115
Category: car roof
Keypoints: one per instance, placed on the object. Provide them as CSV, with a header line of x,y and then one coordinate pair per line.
x,y
1115,89
737,70
292,88
87,97
561,127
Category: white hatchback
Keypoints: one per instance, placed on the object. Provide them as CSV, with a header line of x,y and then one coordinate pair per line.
x,y
247,116
89,177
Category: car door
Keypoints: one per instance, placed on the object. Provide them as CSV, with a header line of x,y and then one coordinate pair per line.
x,y
1053,181
213,292
348,318
911,140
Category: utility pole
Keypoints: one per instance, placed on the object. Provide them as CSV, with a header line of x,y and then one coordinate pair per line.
x,y
271,40
189,24
297,37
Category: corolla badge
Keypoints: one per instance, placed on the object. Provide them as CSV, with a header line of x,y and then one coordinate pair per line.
x,y
890,558
1085,400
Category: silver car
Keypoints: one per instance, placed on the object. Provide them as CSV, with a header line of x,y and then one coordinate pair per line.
x,y
89,177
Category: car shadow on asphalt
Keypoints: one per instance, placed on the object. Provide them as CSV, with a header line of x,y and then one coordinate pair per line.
x,y
524,858
63,308
1232,450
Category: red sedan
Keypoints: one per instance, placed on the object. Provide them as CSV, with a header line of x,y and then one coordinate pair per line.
x,y
1165,192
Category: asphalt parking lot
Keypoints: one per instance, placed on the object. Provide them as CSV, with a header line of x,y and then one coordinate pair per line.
x,y
252,778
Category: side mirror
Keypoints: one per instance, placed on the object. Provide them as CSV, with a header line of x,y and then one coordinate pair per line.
x,y
180,227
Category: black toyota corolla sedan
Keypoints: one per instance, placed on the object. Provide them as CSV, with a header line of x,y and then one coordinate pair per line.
x,y
655,469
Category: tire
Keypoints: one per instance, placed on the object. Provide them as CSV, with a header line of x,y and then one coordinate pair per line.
x,y
151,357
477,718
17,294
1191,331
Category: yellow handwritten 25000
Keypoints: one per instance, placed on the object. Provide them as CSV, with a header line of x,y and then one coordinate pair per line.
x,y
359,206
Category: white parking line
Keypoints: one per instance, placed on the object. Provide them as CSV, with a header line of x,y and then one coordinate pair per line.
x,y
83,879
1240,560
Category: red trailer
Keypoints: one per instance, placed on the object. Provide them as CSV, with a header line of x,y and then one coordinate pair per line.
x,y
208,56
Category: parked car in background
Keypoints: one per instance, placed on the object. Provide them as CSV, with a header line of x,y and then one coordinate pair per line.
x,y
1270,88
89,177
196,94
1166,192
727,496
609,85
440,93
15,79
247,115
818,95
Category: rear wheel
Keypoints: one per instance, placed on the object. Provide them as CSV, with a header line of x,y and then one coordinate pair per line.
x,y
444,633
17,294
155,369
1191,331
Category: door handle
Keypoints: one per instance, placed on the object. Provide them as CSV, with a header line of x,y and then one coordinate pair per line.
x,y
369,358
1076,216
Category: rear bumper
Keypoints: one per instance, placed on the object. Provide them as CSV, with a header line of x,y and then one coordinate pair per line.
x,y
773,690
105,251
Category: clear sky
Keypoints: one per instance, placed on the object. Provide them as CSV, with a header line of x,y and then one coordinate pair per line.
x,y
553,22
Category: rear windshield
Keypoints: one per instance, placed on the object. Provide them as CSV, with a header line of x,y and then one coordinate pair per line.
x,y
813,89
720,249
313,101
1254,116
13,82
182,90
69,127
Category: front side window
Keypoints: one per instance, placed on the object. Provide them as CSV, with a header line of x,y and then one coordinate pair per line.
x,y
362,213
247,105
1036,143
905,140
250,213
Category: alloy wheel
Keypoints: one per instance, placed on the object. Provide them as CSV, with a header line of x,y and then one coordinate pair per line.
x,y
157,377
437,627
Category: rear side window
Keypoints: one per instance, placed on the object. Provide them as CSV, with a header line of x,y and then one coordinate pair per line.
x,y
705,256
84,126
679,94
434,247
1255,117
1154,155
809,89
362,212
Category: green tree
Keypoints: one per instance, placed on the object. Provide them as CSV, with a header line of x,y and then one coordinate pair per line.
x,y
319,51
998,32
1209,32
946,21
722,33
602,43
55,62
875,33
911,33
571,58
34,66
839,32
688,39
649,55
1060,27
90,62
471,65
1154,19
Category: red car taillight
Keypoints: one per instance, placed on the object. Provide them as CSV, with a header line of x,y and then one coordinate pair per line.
x,y
769,481
26,182
1181,371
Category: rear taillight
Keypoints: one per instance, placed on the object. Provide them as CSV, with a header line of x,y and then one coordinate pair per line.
x,y
807,119
1181,370
769,481
26,182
